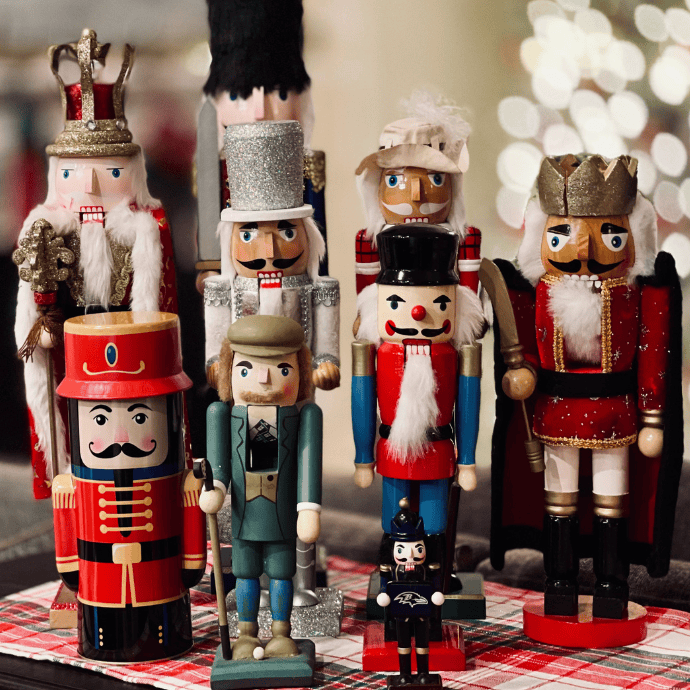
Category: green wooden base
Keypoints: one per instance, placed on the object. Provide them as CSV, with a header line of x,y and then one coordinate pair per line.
x,y
288,672
467,604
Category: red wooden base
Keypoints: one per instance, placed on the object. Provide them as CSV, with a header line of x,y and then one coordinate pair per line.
x,y
446,655
584,631
63,611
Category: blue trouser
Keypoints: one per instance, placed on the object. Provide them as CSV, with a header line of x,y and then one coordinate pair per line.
x,y
433,502
252,558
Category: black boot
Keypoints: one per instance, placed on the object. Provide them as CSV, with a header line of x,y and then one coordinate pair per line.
x,y
611,567
423,676
561,564
405,663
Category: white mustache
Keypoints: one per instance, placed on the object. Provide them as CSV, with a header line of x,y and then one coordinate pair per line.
x,y
405,209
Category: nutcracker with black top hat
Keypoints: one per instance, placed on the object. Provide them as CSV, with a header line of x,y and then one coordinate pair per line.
x,y
130,537
257,73
268,451
597,311
412,591
417,357
416,176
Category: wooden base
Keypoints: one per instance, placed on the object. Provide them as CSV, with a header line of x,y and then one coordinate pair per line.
x,y
446,655
288,672
63,610
433,682
583,631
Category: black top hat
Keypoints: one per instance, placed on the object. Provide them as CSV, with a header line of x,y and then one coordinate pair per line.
x,y
407,525
418,254
256,44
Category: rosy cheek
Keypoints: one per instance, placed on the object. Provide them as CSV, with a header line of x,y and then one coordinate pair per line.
x,y
97,445
148,443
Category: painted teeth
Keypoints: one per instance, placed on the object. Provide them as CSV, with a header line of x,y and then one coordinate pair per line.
x,y
416,220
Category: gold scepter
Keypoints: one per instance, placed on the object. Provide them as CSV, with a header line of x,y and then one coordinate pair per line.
x,y
42,251
493,282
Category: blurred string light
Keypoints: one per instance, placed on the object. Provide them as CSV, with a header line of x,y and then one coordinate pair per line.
x,y
572,46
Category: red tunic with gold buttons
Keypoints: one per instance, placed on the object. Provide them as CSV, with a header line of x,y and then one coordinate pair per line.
x,y
137,563
438,461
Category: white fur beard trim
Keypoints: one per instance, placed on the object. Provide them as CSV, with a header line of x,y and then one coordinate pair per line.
x,y
417,408
96,263
271,301
367,310
576,310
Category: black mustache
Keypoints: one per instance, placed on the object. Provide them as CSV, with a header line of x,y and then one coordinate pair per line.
x,y
258,264
255,265
286,263
593,266
129,449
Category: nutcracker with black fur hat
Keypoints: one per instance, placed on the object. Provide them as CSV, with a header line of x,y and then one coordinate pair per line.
x,y
257,73
129,504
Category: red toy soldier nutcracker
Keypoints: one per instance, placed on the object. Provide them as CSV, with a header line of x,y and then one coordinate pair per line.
x,y
416,176
130,537
598,314
98,203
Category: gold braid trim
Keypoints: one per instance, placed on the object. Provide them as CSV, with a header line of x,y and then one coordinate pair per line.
x,y
584,443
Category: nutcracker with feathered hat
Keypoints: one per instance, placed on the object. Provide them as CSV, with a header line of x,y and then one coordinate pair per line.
x,y
416,176
257,73
597,311
130,538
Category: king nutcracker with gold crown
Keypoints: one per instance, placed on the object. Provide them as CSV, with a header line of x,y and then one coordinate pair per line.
x,y
597,312
130,537
99,206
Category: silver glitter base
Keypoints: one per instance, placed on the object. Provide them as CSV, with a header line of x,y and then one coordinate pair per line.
x,y
321,620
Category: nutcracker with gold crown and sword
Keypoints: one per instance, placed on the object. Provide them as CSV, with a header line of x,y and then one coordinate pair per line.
x,y
597,312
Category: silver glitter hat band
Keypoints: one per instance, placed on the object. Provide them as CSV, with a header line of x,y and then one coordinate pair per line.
x,y
265,162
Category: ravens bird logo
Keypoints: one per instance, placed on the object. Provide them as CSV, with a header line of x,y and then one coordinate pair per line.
x,y
410,599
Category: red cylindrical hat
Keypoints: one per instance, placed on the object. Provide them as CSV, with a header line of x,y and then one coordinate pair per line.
x,y
122,355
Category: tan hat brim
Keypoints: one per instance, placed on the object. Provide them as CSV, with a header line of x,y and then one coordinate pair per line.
x,y
409,155
264,350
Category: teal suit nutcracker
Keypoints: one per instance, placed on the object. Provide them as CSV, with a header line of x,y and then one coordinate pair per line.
x,y
269,452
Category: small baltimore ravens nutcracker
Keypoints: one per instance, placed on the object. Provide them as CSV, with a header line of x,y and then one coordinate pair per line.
x,y
411,596
269,452
416,356
598,313
129,534
416,176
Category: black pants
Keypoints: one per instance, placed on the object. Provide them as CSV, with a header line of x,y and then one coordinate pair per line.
x,y
406,628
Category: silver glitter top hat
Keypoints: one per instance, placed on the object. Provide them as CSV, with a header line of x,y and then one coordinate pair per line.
x,y
265,163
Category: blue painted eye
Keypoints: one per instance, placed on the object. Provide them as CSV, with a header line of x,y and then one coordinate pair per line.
x,y
116,172
392,181
394,304
437,179
111,354
616,242
233,96
288,234
244,372
65,174
248,235
285,371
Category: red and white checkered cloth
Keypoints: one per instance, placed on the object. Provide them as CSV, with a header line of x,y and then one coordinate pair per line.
x,y
499,656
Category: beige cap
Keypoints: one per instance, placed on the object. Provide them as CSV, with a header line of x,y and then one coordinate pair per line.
x,y
266,336
417,143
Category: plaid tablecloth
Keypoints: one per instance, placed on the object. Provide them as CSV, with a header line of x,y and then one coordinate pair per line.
x,y
499,656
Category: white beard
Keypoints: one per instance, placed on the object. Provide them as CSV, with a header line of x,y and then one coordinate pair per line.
x,y
576,310
96,263
417,409
271,301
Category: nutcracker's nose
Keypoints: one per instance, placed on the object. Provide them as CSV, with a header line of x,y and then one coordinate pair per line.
x,y
584,246
90,181
418,312
416,189
258,103
269,245
264,375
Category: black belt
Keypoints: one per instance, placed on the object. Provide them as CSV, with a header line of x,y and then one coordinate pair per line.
x,y
150,550
434,433
564,384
